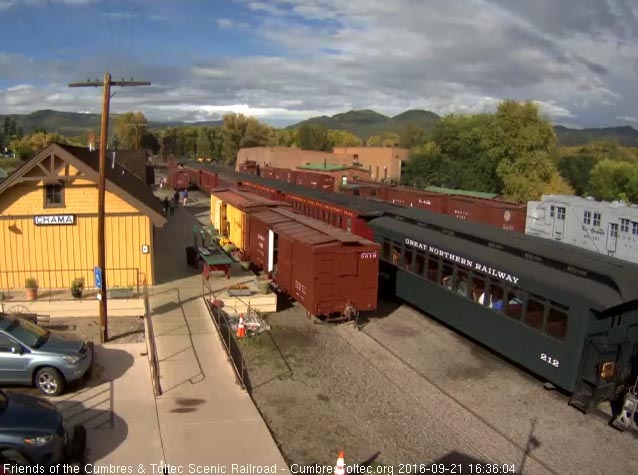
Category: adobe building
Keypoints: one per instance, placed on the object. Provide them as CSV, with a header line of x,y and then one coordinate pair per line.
x,y
383,163
48,219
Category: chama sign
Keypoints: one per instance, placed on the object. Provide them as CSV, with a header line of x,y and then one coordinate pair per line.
x,y
54,219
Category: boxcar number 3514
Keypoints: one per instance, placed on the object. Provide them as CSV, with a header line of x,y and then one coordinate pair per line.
x,y
549,360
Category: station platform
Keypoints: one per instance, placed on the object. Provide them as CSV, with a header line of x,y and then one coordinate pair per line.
x,y
205,417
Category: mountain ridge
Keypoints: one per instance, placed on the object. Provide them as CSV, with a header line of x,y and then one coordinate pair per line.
x,y
363,123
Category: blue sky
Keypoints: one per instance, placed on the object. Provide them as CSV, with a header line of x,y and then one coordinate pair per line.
x,y
286,60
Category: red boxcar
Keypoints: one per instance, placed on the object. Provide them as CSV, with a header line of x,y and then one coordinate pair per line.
x,y
414,198
318,181
208,180
339,272
497,213
178,179
194,175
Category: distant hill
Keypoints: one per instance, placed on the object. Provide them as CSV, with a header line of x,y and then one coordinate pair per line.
x,y
76,123
626,135
365,123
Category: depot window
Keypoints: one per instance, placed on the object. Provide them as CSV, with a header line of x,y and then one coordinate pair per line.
x,y
54,195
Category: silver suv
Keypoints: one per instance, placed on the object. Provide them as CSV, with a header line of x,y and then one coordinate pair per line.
x,y
31,355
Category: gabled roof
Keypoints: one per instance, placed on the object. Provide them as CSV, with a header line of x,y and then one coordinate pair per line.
x,y
119,180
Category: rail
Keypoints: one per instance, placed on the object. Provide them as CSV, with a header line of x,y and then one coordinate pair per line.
x,y
55,284
226,333
151,348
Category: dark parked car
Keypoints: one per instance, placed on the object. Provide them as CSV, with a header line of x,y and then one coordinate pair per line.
x,y
32,431
31,355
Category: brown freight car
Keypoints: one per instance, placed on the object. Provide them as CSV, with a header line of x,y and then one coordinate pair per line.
x,y
415,198
318,181
332,273
497,213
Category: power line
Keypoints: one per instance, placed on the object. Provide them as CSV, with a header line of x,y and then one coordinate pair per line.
x,y
108,15
134,9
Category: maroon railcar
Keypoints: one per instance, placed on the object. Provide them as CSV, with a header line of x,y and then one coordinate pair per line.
x,y
497,213
178,179
318,181
363,190
194,175
329,272
208,180
283,174
415,198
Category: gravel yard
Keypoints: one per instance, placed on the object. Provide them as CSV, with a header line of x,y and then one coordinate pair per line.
x,y
408,390
121,329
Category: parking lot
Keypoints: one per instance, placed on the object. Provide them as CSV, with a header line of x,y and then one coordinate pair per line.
x,y
115,404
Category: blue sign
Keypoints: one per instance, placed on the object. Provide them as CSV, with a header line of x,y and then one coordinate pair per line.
x,y
97,273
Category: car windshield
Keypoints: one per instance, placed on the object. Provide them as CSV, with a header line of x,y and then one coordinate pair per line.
x,y
27,333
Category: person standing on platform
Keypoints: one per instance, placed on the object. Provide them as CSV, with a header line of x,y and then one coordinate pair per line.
x,y
185,195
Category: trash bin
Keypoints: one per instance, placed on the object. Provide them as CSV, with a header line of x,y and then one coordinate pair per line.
x,y
191,256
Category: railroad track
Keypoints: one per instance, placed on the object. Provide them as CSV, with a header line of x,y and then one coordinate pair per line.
x,y
469,427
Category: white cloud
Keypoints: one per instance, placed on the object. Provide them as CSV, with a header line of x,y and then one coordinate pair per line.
x,y
460,56
227,23
626,118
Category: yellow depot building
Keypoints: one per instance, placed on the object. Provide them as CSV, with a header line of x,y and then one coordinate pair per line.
x,y
48,214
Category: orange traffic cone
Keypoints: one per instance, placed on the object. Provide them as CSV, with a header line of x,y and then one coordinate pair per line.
x,y
340,467
241,329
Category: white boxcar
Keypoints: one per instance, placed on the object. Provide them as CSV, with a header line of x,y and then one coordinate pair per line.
x,y
600,226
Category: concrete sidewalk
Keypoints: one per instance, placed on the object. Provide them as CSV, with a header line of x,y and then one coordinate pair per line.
x,y
204,416
117,407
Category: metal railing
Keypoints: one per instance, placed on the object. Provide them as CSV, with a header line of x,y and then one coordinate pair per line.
x,y
55,284
227,335
151,348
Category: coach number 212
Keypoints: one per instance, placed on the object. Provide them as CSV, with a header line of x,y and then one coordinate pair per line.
x,y
549,360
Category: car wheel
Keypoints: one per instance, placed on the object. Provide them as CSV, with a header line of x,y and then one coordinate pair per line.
x,y
49,381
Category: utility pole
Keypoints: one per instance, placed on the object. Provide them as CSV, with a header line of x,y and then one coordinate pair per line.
x,y
107,83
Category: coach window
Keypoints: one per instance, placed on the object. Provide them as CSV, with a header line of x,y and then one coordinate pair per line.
x,y
419,264
396,254
462,283
385,251
447,277
356,193
478,290
496,296
556,323
433,268
587,217
407,259
338,220
534,312
513,305
597,219
373,192
349,225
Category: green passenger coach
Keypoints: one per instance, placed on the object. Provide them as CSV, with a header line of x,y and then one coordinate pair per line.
x,y
569,316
